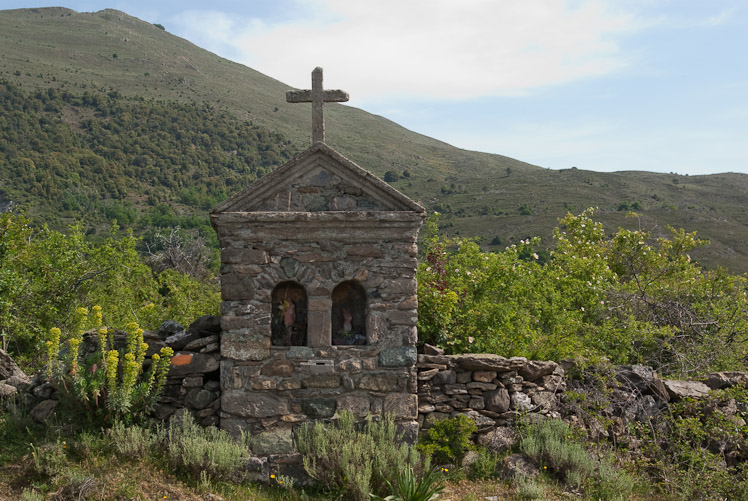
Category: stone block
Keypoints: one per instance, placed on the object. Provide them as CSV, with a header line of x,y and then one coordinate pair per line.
x,y
236,287
376,328
398,357
484,376
481,386
319,328
199,398
229,323
497,400
350,365
378,382
464,377
263,384
300,353
279,368
320,304
245,345
253,404
401,405
319,408
279,441
408,303
321,382
401,286
520,402
291,384
445,377
234,255
409,317
356,404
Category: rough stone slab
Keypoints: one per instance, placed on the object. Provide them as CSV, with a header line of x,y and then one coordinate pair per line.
x,y
429,349
319,408
435,359
535,369
185,364
9,368
444,377
280,368
401,405
252,404
678,389
321,382
409,318
356,404
278,441
497,400
481,386
520,402
378,382
484,362
484,376
233,255
300,353
427,374
244,345
403,356
197,344
455,389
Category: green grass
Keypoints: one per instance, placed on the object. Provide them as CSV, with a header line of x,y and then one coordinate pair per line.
x,y
58,47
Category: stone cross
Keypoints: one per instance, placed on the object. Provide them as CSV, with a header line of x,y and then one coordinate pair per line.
x,y
317,96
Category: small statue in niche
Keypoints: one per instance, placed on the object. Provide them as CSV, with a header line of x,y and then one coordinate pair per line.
x,y
288,325
345,335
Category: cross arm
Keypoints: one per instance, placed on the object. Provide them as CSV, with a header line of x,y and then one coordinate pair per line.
x,y
305,96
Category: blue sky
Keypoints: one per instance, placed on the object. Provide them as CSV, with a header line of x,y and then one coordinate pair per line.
x,y
600,85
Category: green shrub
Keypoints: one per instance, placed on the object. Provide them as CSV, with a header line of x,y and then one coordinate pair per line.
x,y
528,488
193,449
551,445
355,460
134,442
448,440
109,384
484,466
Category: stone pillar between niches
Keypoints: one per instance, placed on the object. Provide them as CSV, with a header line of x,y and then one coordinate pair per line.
x,y
319,327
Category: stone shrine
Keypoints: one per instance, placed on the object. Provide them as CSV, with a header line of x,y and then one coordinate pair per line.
x,y
318,281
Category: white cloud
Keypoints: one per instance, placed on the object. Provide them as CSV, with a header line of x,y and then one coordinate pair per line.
x,y
440,49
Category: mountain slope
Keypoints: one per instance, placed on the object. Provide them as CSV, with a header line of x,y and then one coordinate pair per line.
x,y
496,197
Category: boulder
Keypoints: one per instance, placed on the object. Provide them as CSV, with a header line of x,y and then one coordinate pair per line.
x,y
9,368
499,440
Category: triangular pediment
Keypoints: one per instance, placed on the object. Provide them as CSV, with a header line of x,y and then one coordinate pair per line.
x,y
319,179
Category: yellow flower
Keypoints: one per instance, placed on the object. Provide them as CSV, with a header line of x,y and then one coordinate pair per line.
x,y
272,476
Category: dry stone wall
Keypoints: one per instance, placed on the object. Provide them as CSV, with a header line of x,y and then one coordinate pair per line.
x,y
492,390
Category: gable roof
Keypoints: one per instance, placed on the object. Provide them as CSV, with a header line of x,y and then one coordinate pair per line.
x,y
319,155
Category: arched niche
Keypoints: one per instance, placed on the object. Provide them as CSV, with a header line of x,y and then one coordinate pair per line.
x,y
348,314
289,315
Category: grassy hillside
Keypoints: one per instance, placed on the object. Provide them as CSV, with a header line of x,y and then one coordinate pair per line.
x,y
495,197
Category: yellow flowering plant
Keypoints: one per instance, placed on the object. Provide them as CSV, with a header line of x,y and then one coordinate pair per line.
x,y
107,383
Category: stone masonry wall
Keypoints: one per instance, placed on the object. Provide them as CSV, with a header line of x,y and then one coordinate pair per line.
x,y
492,390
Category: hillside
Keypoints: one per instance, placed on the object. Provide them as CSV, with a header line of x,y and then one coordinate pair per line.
x,y
111,54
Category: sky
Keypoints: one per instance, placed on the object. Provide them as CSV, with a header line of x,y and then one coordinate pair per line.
x,y
604,85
